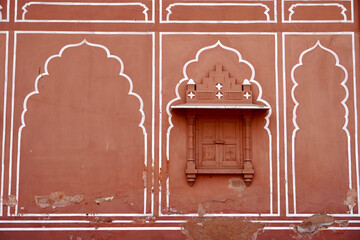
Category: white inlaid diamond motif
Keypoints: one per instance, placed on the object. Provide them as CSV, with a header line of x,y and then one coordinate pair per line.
x,y
219,95
191,95
219,86
247,95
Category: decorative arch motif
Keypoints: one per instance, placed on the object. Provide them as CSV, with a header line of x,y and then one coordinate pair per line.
x,y
294,112
86,4
294,6
185,78
259,98
36,91
343,84
174,5
46,73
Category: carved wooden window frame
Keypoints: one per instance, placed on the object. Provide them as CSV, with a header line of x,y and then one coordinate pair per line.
x,y
219,95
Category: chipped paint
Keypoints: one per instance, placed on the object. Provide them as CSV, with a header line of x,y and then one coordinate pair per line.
x,y
351,199
201,211
221,228
58,199
10,201
145,177
237,184
315,223
99,200
98,219
145,220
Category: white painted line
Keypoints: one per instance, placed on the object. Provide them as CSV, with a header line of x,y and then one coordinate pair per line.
x,y
12,119
45,221
145,229
84,32
277,124
344,228
218,106
160,122
167,193
216,215
261,221
180,21
285,126
314,0
218,33
153,124
170,221
94,229
311,214
4,122
82,215
277,228
356,123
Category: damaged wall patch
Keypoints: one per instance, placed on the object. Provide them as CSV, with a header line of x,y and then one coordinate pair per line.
x,y
58,199
220,228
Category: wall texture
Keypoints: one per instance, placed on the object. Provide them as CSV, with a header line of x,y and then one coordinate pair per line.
x,y
111,108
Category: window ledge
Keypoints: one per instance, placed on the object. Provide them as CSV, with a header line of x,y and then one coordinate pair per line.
x,y
219,106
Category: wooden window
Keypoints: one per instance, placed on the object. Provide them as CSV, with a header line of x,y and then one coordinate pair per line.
x,y
218,112
218,142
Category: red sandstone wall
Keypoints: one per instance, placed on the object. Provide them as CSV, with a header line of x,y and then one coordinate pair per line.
x,y
92,147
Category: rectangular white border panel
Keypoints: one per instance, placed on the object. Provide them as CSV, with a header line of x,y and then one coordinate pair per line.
x,y
16,33
7,9
98,3
288,214
271,214
99,229
4,122
209,3
309,3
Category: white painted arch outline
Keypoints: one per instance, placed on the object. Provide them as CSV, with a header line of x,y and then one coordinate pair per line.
x,y
355,111
146,9
293,6
84,4
343,102
266,127
285,15
266,12
274,2
36,91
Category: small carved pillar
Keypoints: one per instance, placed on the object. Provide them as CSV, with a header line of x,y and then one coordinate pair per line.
x,y
190,91
248,167
190,145
246,86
